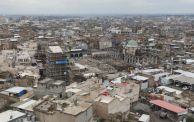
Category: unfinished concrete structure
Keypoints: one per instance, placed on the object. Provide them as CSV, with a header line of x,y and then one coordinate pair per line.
x,y
42,46
57,64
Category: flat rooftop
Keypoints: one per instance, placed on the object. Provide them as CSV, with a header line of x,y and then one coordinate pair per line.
x,y
55,49
64,106
185,73
168,89
76,109
5,116
25,105
184,79
151,71
15,90
139,78
58,82
46,80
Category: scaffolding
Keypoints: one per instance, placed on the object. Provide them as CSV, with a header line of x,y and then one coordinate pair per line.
x,y
57,64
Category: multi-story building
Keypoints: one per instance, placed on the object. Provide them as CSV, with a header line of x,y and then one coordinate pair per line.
x,y
57,64
50,87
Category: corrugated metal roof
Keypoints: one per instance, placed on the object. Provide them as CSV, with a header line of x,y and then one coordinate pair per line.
x,y
168,106
15,90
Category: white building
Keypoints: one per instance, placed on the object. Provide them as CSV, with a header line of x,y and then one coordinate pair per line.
x,y
143,81
12,116
144,118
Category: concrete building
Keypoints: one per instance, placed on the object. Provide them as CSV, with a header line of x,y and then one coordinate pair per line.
x,y
105,43
130,47
42,46
12,116
4,45
105,106
8,56
109,97
143,81
64,111
25,106
50,87
17,93
77,53
13,42
120,84
57,64
23,58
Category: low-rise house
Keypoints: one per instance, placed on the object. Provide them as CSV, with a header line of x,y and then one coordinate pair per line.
x,y
105,106
17,93
50,87
12,116
143,81
25,106
64,111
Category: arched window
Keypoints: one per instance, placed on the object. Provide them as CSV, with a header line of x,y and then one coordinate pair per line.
x,y
80,55
76,55
72,55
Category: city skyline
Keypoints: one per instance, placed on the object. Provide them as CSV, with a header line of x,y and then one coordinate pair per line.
x,y
77,7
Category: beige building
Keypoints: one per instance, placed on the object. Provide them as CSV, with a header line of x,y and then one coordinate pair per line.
x,y
23,58
15,94
131,47
64,111
50,87
104,43
91,98
105,106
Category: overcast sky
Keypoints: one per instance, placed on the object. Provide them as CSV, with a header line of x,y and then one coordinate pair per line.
x,y
96,6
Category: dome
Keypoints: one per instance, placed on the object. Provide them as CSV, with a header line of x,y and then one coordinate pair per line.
x,y
132,43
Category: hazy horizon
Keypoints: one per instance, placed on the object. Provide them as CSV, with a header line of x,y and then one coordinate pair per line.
x,y
95,7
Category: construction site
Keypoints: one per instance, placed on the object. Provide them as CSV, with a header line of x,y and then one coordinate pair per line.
x,y
57,63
